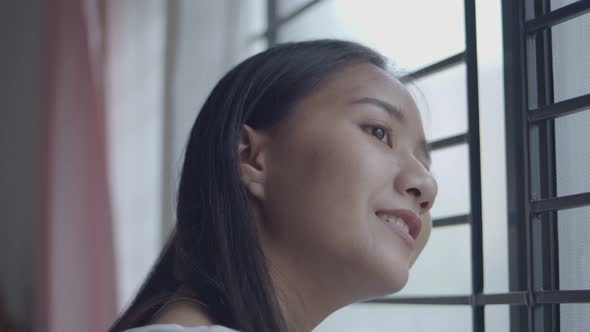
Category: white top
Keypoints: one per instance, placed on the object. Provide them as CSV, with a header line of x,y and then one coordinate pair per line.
x,y
179,328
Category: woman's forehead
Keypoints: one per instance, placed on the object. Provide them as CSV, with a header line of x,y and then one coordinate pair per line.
x,y
362,81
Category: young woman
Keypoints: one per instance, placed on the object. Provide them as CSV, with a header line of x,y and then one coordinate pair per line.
x,y
305,188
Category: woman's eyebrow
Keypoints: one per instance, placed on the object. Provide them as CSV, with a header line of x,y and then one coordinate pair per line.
x,y
392,110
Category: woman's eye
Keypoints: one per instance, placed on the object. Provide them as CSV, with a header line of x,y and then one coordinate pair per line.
x,y
380,133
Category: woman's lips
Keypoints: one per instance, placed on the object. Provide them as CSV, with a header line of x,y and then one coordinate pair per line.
x,y
411,219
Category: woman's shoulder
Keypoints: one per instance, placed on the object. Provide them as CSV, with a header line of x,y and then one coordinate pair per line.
x,y
179,328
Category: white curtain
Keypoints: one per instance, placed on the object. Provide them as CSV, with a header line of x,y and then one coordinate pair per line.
x,y
164,59
135,86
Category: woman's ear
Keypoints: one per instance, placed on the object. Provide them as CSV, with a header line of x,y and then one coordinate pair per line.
x,y
252,161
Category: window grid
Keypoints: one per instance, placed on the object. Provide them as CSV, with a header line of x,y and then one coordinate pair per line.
x,y
531,164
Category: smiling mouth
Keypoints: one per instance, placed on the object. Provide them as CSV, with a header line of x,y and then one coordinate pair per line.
x,y
403,223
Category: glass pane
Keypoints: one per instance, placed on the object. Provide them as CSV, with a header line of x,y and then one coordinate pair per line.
x,y
401,30
571,58
556,4
252,18
450,168
447,256
574,317
574,248
497,318
442,99
286,7
493,146
572,153
388,317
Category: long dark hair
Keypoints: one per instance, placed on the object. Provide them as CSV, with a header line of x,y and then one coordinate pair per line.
x,y
214,250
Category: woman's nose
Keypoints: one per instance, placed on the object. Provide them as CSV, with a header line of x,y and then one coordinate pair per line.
x,y
416,182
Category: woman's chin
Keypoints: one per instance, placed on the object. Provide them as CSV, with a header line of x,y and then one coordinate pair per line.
x,y
389,284
396,277
398,282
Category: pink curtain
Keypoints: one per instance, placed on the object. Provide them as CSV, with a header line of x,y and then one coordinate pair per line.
x,y
78,268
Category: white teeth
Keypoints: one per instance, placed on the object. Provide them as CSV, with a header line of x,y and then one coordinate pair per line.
x,y
397,221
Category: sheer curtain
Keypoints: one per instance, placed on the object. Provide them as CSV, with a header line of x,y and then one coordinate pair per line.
x,y
135,113
77,272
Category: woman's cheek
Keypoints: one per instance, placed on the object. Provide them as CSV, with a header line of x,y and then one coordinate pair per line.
x,y
423,237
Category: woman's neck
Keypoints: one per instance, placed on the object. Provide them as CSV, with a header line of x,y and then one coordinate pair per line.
x,y
305,300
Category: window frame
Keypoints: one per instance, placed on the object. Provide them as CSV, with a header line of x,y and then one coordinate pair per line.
x,y
530,114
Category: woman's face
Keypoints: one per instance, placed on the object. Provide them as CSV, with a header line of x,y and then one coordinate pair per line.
x,y
348,157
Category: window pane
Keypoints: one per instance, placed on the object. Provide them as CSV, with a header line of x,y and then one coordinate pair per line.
x,y
572,153
388,317
401,30
571,58
447,256
286,7
574,317
574,248
556,4
442,99
497,318
251,21
450,168
493,146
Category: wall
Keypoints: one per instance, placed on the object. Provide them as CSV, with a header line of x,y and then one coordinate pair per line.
x,y
20,149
